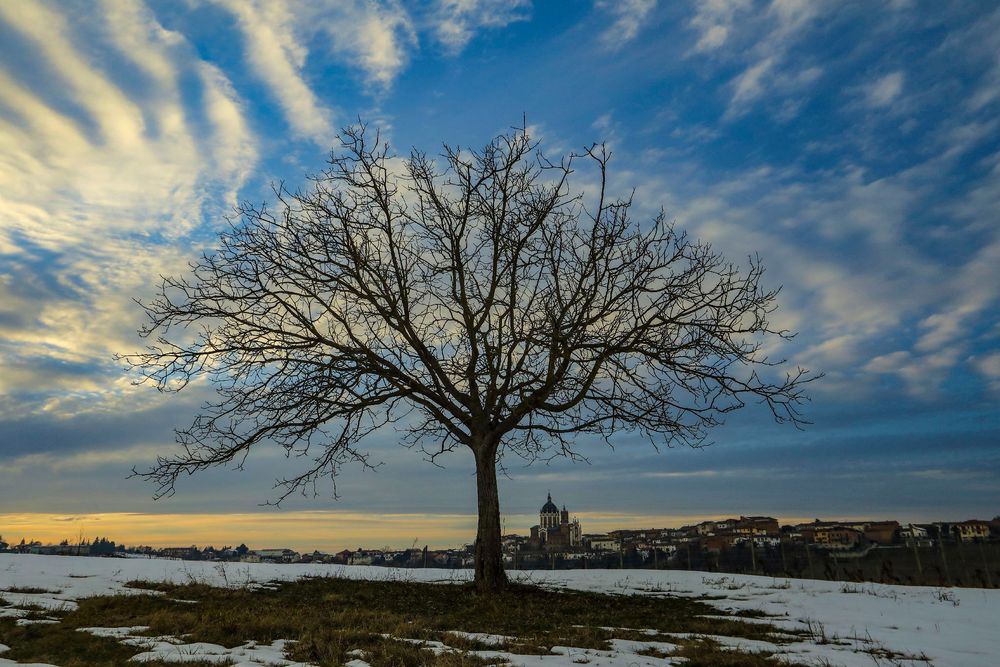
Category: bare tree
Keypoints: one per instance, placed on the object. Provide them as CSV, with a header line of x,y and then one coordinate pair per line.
x,y
469,301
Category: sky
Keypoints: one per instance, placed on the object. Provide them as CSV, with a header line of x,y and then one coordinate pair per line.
x,y
853,145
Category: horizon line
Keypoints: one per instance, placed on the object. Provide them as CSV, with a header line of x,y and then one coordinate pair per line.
x,y
335,529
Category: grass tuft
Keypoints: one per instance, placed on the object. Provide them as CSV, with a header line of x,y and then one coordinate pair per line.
x,y
31,590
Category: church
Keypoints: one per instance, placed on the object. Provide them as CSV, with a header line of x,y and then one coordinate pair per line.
x,y
554,529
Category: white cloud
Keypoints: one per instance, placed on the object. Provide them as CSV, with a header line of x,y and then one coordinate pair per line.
x,y
712,38
850,250
982,41
119,119
79,461
628,18
974,288
378,44
455,22
603,122
922,374
375,38
794,15
692,473
276,52
760,41
713,21
131,27
988,366
59,178
885,90
234,150
280,37
100,191
749,85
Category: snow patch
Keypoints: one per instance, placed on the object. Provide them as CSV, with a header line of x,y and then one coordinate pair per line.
x,y
844,624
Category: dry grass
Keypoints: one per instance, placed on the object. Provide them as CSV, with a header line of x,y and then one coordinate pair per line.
x,y
329,618
61,644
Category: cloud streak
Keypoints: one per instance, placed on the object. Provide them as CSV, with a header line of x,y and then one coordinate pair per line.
x,y
89,198
628,17
456,22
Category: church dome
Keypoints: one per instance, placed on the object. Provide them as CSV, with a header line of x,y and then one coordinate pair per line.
x,y
549,506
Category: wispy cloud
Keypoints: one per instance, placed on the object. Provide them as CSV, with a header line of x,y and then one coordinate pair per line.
x,y
981,42
749,85
922,374
80,461
456,22
759,38
989,366
627,19
684,474
714,20
277,54
884,90
376,38
235,150
90,197
847,249
280,38
126,141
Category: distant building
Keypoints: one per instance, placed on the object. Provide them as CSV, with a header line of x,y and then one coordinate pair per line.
x,y
915,535
754,526
604,543
554,529
366,557
183,553
60,549
706,528
836,537
276,555
718,543
883,533
972,530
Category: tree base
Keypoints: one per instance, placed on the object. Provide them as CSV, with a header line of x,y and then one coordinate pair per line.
x,y
492,582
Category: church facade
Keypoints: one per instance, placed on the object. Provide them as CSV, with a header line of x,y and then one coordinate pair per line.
x,y
554,529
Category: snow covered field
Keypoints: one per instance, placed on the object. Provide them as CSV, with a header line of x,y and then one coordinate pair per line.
x,y
850,624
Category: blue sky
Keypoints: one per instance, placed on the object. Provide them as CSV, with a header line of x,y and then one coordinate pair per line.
x,y
854,145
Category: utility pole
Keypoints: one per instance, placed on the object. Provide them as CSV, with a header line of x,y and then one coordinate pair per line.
x,y
986,567
944,559
960,547
916,556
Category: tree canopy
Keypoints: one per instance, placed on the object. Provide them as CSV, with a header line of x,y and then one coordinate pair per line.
x,y
469,300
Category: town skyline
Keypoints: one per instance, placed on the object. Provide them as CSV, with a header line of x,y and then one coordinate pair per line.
x,y
392,531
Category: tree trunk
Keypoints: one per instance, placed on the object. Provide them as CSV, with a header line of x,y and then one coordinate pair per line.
x,y
490,575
